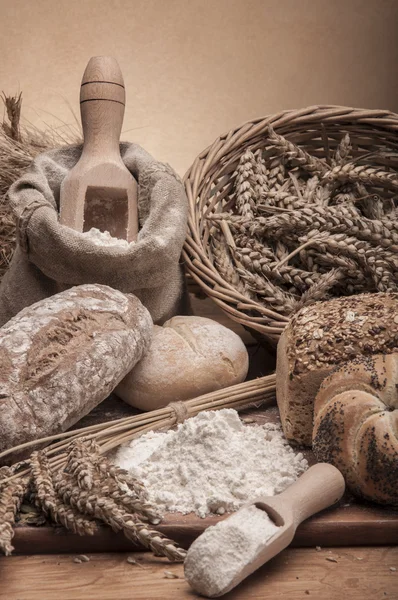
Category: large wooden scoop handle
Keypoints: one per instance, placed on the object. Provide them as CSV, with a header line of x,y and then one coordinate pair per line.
x,y
102,102
319,487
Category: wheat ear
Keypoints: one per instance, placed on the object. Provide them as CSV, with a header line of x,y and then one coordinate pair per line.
x,y
11,496
46,499
105,509
291,152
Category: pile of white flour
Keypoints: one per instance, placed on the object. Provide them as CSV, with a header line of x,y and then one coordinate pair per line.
x,y
222,551
212,463
104,238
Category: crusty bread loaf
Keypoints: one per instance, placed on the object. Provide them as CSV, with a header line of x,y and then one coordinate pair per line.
x,y
356,426
188,356
320,337
62,356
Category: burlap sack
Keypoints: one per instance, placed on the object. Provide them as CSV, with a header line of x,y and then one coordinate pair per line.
x,y
50,257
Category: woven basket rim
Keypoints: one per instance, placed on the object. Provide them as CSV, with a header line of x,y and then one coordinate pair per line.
x,y
264,321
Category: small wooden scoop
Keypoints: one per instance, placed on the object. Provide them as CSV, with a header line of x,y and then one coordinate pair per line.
x,y
215,569
100,191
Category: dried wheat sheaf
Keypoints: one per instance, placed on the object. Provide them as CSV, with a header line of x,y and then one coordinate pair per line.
x,y
73,483
88,490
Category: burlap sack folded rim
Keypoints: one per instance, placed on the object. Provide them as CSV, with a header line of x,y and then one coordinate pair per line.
x,y
72,258
50,257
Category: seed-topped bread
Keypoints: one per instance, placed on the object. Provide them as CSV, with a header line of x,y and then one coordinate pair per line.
x,y
320,337
356,425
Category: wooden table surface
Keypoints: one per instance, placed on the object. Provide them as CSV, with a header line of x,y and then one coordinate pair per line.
x,y
356,574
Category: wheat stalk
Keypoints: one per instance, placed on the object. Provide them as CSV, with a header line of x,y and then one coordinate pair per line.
x,y
284,275
343,151
291,152
281,301
310,233
309,192
260,177
352,173
276,174
258,259
279,199
225,265
82,458
93,471
11,497
46,499
245,182
320,289
367,258
108,435
120,478
336,219
107,510
13,108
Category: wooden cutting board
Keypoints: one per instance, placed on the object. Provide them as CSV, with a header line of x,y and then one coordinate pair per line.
x,y
350,523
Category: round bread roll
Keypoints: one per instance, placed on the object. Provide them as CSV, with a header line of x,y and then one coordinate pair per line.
x,y
356,426
188,356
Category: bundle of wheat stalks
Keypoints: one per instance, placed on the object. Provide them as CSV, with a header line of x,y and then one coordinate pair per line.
x,y
74,484
298,228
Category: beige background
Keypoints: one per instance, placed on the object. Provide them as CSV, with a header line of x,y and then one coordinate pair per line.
x,y
195,68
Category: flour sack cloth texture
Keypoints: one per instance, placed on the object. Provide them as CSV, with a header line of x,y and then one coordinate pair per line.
x,y
50,257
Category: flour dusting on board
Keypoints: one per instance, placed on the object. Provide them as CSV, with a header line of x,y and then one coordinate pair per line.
x,y
212,463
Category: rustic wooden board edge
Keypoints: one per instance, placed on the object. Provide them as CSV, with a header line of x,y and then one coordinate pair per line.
x,y
350,526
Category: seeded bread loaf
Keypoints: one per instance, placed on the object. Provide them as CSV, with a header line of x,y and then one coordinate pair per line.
x,y
62,356
320,337
356,426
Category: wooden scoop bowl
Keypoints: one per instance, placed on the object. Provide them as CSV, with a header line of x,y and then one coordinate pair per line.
x,y
319,487
100,191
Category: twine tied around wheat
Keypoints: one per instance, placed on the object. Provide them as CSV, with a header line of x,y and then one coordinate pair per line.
x,y
73,483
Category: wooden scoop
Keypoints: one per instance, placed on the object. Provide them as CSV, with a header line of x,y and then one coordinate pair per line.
x,y
318,488
100,191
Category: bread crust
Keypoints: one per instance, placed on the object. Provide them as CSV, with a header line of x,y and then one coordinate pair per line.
x,y
188,357
356,426
319,338
62,356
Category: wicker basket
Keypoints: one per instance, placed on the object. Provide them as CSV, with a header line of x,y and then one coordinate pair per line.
x,y
208,186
